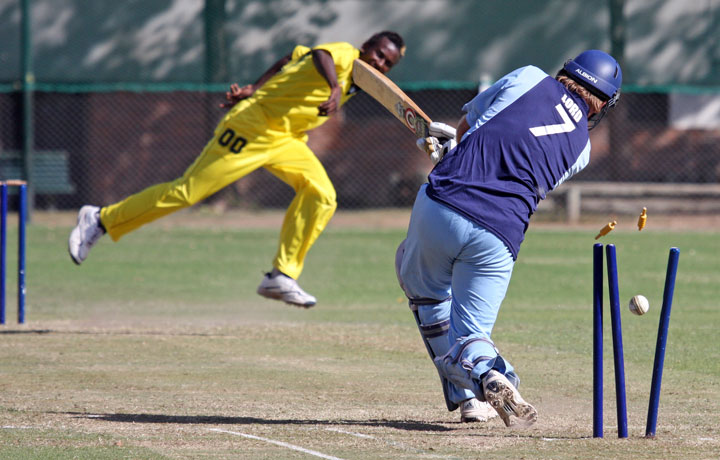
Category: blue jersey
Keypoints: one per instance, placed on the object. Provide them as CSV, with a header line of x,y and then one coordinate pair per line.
x,y
527,135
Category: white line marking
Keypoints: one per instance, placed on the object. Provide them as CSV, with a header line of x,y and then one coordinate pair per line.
x,y
351,433
277,443
397,445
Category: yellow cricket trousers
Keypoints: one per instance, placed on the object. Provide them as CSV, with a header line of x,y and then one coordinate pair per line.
x,y
242,143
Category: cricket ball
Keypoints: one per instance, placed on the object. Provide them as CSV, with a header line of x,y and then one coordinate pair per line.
x,y
639,305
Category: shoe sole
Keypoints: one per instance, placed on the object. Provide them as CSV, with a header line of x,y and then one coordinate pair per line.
x,y
473,419
77,224
477,418
511,408
279,296
73,258
481,413
70,252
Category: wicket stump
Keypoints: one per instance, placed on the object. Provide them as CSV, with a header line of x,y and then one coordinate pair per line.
x,y
598,340
613,291
660,346
654,403
22,220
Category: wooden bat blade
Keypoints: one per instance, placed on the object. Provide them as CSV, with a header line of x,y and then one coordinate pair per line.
x,y
390,96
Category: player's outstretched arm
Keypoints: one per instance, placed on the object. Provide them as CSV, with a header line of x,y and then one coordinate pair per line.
x,y
238,93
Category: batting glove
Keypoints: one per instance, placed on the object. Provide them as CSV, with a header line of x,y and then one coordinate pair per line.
x,y
442,131
434,149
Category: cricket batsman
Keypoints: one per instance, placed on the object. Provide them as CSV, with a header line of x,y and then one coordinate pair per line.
x,y
519,139
265,126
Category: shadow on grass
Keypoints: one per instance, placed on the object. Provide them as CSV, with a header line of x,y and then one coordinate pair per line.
x,y
407,425
25,331
111,332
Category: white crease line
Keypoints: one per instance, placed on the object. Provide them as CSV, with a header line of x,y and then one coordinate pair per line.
x,y
351,433
10,427
397,445
277,443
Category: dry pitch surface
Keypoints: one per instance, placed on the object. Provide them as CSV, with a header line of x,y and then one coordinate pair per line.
x,y
261,390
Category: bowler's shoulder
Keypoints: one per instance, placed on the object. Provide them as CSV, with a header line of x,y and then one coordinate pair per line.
x,y
299,51
343,54
338,47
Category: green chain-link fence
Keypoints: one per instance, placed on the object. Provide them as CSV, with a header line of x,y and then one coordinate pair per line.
x,y
100,147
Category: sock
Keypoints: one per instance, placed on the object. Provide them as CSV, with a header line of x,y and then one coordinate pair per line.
x,y
100,224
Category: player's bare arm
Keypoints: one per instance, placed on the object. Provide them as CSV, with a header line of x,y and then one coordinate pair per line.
x,y
462,128
325,66
238,93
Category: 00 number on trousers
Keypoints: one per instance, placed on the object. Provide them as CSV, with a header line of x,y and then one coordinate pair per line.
x,y
232,141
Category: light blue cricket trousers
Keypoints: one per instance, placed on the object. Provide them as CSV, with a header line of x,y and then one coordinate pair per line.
x,y
467,270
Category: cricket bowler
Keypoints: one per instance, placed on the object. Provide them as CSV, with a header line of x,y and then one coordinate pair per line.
x,y
266,126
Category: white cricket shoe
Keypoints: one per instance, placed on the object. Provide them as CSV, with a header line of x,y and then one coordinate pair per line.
x,y
472,410
506,400
282,287
85,234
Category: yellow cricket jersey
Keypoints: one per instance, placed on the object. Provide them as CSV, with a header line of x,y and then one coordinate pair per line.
x,y
290,98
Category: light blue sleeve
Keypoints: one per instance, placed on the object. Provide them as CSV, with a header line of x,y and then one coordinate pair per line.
x,y
501,94
582,161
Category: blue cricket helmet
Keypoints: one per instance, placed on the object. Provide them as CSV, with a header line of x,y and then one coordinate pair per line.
x,y
598,72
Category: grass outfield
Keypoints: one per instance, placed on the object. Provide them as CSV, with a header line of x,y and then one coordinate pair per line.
x,y
159,348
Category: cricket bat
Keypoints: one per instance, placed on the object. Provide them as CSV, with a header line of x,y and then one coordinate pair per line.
x,y
387,93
